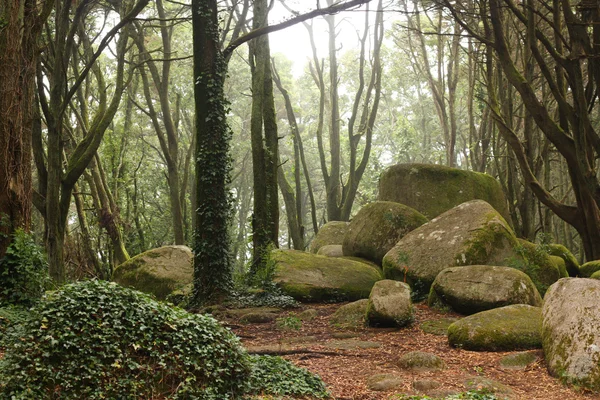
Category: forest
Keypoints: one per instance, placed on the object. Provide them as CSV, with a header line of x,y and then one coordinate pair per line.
x,y
131,126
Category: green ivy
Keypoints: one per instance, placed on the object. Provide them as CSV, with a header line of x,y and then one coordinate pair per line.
x,y
23,271
274,375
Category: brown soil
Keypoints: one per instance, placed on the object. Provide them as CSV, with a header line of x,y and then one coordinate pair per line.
x,y
345,371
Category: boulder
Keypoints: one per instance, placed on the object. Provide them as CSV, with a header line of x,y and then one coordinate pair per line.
x,y
389,304
311,278
535,260
331,250
520,360
571,263
589,268
487,385
475,288
570,331
384,382
350,316
595,275
509,328
434,189
160,271
332,232
377,227
420,361
472,233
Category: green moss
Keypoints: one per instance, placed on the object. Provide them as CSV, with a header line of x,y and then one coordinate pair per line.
x,y
419,360
350,316
589,268
519,360
503,329
332,233
542,268
571,263
493,236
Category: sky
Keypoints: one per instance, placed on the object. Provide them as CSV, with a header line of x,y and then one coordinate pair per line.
x,y
294,42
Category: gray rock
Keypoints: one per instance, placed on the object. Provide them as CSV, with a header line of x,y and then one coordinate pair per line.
x,y
377,227
472,233
352,344
350,316
570,331
311,278
420,361
258,318
501,390
332,232
160,271
519,361
515,327
390,304
331,250
475,288
426,385
384,382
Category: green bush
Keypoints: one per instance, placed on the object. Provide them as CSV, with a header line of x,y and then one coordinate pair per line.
x,y
97,340
274,375
23,271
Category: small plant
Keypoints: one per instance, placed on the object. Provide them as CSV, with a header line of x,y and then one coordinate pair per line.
x,y
23,271
274,375
289,323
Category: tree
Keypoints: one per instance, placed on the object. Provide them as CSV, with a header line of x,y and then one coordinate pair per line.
x,y
20,25
563,51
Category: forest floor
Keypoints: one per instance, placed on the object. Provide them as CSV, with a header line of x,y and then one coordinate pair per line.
x,y
345,371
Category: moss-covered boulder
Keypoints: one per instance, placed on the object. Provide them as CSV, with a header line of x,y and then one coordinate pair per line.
x,y
434,189
160,271
520,360
514,327
311,278
350,316
331,250
420,361
472,233
475,288
535,260
570,331
589,268
571,263
377,227
332,232
389,304
595,275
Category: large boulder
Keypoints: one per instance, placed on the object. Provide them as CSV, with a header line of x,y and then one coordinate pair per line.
x,y
571,263
332,232
160,271
472,233
350,316
535,260
475,288
389,304
331,250
570,331
377,227
311,278
589,268
434,189
509,328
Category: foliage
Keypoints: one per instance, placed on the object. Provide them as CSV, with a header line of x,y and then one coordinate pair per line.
x,y
470,395
529,259
272,296
274,375
12,316
97,340
289,323
23,271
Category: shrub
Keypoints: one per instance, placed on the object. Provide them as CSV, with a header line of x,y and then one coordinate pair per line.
x,y
23,271
97,340
274,375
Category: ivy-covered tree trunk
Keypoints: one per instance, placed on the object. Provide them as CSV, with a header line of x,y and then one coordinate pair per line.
x,y
20,25
212,261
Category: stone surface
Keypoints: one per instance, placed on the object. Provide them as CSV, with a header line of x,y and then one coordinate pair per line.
x,y
377,227
474,288
420,361
331,250
352,344
595,275
332,232
426,385
308,314
160,271
515,327
520,360
499,389
472,233
384,382
570,331
589,268
434,189
350,316
312,278
390,304
571,263
543,269
258,318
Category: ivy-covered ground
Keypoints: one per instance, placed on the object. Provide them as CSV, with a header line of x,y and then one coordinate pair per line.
x,y
316,346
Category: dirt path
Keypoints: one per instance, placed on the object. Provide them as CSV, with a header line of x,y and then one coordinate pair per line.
x,y
345,371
